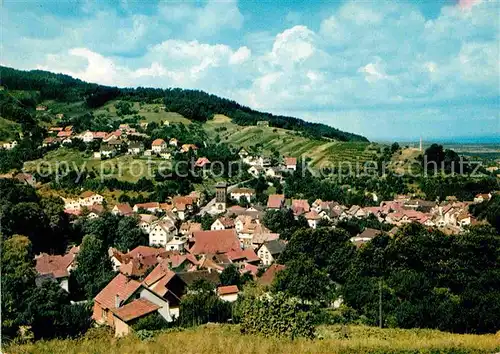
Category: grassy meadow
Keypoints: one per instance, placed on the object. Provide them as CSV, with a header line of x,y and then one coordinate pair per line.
x,y
226,339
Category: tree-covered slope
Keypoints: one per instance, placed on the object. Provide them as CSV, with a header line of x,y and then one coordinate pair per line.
x,y
192,104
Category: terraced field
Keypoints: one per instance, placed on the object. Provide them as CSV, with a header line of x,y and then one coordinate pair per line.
x,y
290,143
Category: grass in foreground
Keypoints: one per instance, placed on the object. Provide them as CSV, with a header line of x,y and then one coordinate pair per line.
x,y
225,339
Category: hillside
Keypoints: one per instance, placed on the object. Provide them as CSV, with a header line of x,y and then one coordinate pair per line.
x,y
217,339
192,104
324,152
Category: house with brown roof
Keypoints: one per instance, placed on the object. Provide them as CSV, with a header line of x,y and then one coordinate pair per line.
x,y
90,198
26,178
312,218
158,145
268,277
213,242
300,206
122,209
228,293
146,222
125,300
276,201
244,256
202,162
187,147
367,235
187,228
152,207
291,163
55,267
222,223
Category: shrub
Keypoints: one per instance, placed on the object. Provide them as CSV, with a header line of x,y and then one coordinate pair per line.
x,y
277,316
151,322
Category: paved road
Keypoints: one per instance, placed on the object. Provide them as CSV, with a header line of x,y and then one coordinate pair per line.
x,y
211,203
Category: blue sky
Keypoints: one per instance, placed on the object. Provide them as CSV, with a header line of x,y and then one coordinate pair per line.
x,y
387,70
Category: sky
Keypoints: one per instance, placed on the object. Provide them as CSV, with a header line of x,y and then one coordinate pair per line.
x,y
385,69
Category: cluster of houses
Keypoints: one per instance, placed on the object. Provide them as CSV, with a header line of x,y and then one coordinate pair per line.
x,y
123,140
262,166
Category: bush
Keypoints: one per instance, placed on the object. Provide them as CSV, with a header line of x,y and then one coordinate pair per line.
x,y
277,316
151,322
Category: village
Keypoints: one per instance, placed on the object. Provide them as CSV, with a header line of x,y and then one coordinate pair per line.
x,y
154,277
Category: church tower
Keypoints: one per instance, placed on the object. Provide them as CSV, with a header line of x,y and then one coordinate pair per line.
x,y
220,197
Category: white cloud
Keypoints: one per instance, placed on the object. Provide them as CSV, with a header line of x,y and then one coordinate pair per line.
x,y
362,55
240,56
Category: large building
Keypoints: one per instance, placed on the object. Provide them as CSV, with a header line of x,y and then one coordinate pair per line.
x,y
220,197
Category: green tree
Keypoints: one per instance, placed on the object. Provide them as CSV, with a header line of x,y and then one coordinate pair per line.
x,y
230,276
129,234
94,269
303,279
18,278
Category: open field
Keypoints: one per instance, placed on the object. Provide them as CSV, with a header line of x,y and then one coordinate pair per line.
x,y
9,130
289,143
150,112
225,339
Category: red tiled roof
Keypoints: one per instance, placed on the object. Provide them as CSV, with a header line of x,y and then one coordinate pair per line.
x,y
312,215
268,276
202,161
227,222
227,290
303,204
212,242
121,286
135,309
145,251
275,200
247,254
87,194
124,209
148,205
250,268
56,265
158,142
64,134
290,161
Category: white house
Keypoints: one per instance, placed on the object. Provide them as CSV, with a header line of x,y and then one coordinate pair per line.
x,y
228,293
90,198
9,146
107,151
161,233
135,148
270,251
291,163
158,146
87,137
256,171
246,193
176,244
147,220
312,218
222,224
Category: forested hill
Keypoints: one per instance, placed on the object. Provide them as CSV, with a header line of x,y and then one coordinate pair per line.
x,y
192,104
